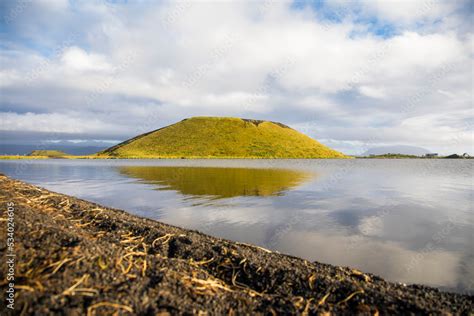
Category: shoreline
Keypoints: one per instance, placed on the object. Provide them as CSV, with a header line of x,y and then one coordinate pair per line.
x,y
19,157
92,157
77,257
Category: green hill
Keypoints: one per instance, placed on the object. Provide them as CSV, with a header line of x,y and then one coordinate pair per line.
x,y
48,153
216,137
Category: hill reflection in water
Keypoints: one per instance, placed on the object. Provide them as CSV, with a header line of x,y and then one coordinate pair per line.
x,y
219,182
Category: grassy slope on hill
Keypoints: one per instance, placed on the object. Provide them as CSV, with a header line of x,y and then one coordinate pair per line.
x,y
223,138
48,153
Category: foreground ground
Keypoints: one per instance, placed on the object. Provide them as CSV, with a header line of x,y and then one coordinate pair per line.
x,y
74,258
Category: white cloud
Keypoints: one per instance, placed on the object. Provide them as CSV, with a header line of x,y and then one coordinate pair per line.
x,y
54,123
57,5
77,59
372,92
407,11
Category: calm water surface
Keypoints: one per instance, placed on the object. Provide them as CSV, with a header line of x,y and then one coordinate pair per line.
x,y
409,221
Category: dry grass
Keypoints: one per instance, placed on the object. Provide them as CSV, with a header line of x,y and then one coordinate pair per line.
x,y
91,311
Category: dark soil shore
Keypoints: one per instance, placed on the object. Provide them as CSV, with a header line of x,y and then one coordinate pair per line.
x,y
78,258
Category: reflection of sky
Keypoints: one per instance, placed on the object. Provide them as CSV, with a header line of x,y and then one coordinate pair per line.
x,y
403,220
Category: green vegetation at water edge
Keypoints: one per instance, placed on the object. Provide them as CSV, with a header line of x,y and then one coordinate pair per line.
x,y
48,153
16,157
393,156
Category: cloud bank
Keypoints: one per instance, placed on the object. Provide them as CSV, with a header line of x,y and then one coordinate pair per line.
x,y
354,75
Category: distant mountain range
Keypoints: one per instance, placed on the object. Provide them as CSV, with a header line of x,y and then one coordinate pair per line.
x,y
399,149
9,149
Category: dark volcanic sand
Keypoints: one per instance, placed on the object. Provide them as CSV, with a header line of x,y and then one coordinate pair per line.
x,y
75,258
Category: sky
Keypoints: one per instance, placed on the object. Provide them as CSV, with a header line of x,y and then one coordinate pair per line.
x,y
352,74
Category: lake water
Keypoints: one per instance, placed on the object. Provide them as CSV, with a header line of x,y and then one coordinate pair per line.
x,y
408,221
